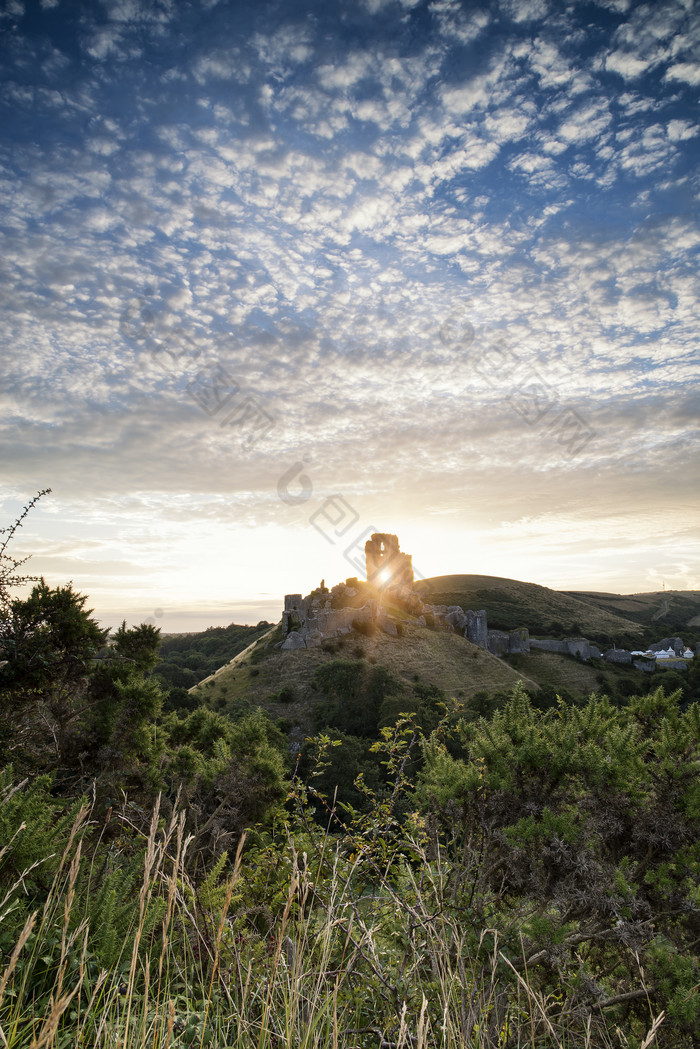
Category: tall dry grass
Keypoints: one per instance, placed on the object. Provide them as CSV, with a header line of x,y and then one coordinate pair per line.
x,y
393,967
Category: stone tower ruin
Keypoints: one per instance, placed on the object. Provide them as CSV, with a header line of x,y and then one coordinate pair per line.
x,y
386,565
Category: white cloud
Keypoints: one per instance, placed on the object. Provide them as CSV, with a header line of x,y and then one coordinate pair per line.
x,y
456,23
627,64
552,68
464,99
531,163
289,45
525,10
688,72
646,153
111,41
587,122
652,22
509,125
681,130
348,73
221,64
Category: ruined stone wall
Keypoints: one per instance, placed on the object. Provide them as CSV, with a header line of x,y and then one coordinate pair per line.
x,y
549,645
508,642
312,619
477,628
469,624
294,612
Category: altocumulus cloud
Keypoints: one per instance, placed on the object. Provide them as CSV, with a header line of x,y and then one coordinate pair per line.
x,y
312,199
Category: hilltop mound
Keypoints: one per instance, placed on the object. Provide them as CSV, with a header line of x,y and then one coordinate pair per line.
x,y
510,603
281,682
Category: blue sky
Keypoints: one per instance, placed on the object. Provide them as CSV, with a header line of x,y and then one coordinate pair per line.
x,y
275,275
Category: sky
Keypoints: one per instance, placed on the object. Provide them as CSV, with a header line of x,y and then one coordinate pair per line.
x,y
278,275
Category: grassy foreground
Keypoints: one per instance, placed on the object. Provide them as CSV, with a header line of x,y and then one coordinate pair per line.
x,y
317,940
336,967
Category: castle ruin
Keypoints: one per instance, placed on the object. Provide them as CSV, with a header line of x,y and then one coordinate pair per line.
x,y
388,602
386,565
325,614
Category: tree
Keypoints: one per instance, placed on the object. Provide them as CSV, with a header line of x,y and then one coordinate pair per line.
x,y
50,641
140,644
116,739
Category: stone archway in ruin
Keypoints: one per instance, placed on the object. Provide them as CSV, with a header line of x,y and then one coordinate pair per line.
x,y
386,565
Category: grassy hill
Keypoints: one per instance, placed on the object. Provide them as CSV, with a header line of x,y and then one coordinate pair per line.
x,y
281,682
510,603
661,613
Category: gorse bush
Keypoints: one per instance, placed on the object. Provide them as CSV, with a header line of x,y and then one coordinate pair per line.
x,y
33,831
579,828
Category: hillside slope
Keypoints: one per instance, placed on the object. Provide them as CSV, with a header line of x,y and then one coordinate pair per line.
x,y
662,612
510,603
187,658
422,656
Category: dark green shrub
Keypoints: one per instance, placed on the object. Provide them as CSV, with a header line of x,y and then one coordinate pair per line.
x,y
588,819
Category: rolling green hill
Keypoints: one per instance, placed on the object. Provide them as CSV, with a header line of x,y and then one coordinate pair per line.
x,y
661,613
510,603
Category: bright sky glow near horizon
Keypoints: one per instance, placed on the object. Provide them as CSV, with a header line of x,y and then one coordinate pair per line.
x,y
279,274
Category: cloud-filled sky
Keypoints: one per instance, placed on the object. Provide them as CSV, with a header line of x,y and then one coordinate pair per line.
x,y
278,274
